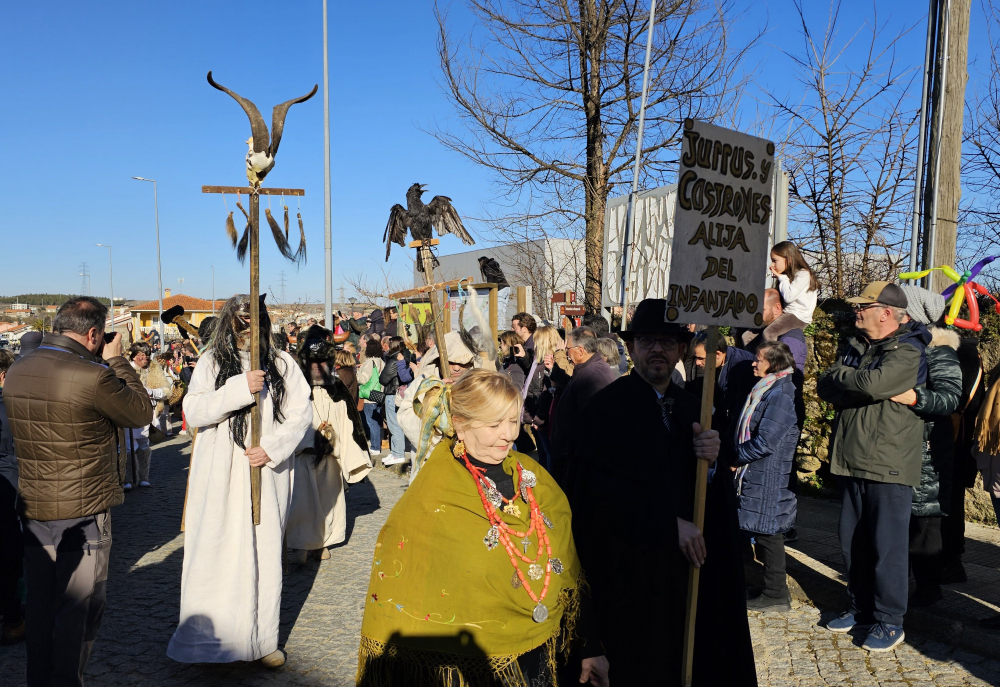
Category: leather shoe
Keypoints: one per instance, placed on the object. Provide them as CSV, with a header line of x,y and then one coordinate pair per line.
x,y
275,659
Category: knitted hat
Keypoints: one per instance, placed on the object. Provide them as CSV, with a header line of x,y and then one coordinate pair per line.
x,y
922,305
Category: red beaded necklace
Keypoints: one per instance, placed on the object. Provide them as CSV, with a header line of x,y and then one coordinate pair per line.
x,y
501,532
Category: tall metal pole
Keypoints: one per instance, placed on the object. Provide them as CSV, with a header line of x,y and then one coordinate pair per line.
x,y
633,196
327,235
213,289
921,139
939,136
159,275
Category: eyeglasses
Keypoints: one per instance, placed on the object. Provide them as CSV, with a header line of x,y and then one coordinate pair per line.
x,y
649,342
861,308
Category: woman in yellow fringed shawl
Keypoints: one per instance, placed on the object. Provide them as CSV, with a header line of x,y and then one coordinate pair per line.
x,y
475,579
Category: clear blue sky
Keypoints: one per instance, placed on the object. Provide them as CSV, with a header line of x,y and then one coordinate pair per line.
x,y
94,93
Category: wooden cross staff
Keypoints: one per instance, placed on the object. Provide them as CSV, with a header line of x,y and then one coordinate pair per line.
x,y
254,247
427,260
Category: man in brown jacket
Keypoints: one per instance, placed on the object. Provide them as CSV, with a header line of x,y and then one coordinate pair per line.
x,y
65,406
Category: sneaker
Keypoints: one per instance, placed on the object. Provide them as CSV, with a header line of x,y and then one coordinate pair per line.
x,y
127,487
393,460
182,433
275,659
765,603
842,623
374,452
925,596
883,637
144,483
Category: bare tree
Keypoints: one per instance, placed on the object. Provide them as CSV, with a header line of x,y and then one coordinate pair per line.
x,y
374,287
548,92
849,153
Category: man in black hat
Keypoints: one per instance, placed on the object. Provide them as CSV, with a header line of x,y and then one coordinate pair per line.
x,y
632,492
875,450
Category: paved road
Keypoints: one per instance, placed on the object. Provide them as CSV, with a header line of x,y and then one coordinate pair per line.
x,y
322,608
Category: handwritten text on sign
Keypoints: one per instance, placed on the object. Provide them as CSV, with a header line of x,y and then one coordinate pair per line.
x,y
721,228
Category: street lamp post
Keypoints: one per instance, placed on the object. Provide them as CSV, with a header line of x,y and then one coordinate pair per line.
x,y
159,276
213,289
111,279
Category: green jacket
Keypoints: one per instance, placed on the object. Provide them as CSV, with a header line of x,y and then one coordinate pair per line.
x,y
874,438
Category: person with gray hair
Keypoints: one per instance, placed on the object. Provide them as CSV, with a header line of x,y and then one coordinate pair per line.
x,y
590,374
875,451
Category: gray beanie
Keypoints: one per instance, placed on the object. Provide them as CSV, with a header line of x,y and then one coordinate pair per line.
x,y
923,306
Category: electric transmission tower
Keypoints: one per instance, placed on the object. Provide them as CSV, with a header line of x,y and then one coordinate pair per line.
x,y
84,280
282,285
341,295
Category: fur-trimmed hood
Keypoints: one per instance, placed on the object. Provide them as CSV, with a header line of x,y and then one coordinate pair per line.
x,y
944,337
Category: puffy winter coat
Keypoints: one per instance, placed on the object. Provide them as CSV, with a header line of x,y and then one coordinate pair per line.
x,y
935,403
874,437
64,408
766,504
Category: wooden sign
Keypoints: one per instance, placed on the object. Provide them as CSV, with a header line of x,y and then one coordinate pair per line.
x,y
573,310
721,228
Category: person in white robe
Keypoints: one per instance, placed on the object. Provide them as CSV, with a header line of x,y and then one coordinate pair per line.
x,y
317,517
231,577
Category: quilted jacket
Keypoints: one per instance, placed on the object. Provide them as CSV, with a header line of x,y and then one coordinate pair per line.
x,y
767,505
65,407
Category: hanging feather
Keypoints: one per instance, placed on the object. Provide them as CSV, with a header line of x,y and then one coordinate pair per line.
x,y
278,236
243,210
286,222
231,230
241,249
300,255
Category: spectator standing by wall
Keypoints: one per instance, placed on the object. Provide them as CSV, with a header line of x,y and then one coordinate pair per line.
x,y
875,451
71,459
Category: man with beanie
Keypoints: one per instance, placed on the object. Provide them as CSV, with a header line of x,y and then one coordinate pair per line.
x,y
876,453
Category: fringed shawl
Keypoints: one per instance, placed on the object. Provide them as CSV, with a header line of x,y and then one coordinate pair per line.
x,y
988,422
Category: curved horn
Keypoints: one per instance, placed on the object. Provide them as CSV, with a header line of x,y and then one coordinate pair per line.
x,y
257,125
278,115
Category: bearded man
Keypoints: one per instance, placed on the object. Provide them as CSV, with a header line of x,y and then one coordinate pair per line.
x,y
631,489
231,579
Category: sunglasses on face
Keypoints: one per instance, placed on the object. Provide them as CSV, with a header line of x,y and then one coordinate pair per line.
x,y
647,343
862,308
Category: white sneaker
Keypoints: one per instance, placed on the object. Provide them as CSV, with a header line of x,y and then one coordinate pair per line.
x,y
127,487
390,460
374,452
144,483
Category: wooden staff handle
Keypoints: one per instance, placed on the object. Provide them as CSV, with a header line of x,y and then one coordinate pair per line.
x,y
700,487
424,254
255,347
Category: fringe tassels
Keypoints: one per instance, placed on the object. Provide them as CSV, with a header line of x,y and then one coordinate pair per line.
x,y
231,230
279,238
300,255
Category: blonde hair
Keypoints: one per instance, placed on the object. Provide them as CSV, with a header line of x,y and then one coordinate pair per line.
x,y
482,396
546,340
344,359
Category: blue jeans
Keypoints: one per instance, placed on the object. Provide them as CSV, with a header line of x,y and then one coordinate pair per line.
x,y
544,445
397,440
373,418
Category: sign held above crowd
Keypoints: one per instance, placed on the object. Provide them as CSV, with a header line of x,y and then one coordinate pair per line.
x,y
721,228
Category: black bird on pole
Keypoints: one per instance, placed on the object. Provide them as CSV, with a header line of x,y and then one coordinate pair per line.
x,y
421,218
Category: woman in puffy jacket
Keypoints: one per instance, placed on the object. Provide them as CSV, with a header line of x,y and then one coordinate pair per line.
x,y
391,382
934,402
765,440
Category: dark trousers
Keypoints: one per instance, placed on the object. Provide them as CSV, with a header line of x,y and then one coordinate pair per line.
x,y
925,550
874,538
66,571
770,551
11,554
953,527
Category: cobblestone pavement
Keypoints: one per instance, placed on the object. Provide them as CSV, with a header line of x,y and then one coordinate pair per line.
x,y
322,609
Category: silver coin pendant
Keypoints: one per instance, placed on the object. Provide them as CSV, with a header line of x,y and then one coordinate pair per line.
x,y
540,614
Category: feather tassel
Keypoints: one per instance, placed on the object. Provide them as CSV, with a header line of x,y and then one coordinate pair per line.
x,y
279,238
241,249
231,230
286,222
300,255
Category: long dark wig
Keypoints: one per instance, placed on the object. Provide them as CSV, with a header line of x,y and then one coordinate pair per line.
x,y
226,350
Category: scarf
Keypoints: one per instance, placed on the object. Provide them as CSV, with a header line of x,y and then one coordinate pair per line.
x,y
441,608
988,422
756,396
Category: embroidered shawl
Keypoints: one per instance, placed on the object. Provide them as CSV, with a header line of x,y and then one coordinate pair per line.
x,y
441,608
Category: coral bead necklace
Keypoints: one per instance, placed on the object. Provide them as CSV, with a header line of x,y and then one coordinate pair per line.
x,y
501,533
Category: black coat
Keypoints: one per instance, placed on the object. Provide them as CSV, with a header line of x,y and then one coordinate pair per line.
x,y
588,378
630,482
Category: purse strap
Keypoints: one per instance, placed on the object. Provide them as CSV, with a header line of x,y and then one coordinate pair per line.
x,y
527,380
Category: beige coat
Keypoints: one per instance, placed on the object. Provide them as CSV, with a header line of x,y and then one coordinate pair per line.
x,y
317,517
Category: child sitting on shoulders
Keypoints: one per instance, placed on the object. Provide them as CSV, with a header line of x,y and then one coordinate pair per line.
x,y
798,288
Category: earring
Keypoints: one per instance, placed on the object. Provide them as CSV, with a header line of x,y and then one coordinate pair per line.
x,y
459,449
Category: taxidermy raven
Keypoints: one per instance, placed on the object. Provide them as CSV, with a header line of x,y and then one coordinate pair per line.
x,y
490,270
260,157
421,218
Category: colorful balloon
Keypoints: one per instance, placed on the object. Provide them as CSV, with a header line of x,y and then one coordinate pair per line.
x,y
964,290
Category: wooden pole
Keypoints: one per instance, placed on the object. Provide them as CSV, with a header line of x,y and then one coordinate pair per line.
x,y
953,51
700,487
255,347
427,260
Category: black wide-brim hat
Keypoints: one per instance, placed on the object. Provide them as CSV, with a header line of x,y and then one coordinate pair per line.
x,y
649,318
